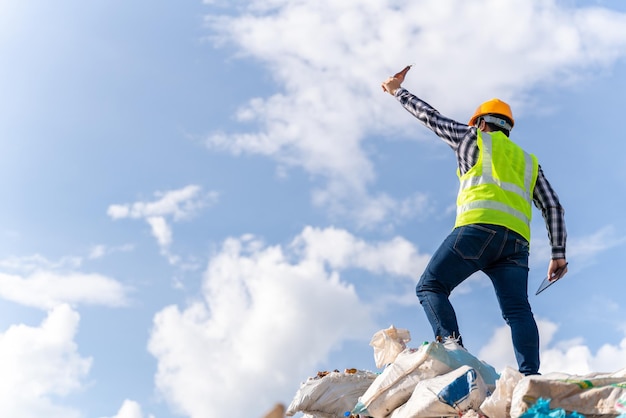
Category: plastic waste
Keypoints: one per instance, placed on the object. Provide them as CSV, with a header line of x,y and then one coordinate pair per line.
x,y
590,395
388,343
394,386
498,404
450,394
541,409
330,394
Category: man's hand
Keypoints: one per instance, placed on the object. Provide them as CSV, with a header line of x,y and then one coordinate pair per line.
x,y
557,269
392,84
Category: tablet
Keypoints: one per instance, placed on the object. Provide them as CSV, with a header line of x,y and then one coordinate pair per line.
x,y
547,282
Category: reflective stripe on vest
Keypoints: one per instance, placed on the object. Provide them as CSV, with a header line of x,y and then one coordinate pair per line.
x,y
486,198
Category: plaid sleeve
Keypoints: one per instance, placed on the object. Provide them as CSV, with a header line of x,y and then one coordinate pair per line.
x,y
450,131
548,203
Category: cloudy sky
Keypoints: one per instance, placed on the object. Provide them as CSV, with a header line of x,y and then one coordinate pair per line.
x,y
205,203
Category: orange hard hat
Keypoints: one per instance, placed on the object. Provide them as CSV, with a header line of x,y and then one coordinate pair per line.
x,y
492,107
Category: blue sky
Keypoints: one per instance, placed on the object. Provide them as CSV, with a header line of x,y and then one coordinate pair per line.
x,y
207,202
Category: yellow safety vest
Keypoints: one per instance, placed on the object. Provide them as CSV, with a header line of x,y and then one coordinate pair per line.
x,y
498,189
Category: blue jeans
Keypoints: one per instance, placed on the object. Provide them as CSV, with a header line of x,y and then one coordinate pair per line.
x,y
503,256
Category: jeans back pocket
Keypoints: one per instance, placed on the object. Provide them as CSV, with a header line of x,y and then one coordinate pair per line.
x,y
472,241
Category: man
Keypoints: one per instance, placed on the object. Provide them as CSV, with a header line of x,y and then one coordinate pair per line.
x,y
498,182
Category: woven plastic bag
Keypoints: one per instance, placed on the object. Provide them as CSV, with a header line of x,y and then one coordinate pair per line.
x,y
388,343
331,394
394,386
498,404
593,394
448,395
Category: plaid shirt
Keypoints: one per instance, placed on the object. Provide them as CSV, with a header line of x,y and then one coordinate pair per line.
x,y
463,140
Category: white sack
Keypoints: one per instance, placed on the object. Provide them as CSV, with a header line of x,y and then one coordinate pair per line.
x,y
332,395
498,405
394,386
589,395
448,395
388,343
456,356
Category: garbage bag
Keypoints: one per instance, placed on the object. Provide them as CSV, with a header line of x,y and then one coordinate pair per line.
x,y
394,386
592,394
498,404
450,394
456,356
331,394
388,343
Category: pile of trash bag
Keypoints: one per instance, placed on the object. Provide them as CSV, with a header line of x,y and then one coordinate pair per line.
x,y
443,379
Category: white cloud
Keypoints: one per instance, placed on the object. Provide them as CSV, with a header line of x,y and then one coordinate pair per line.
x,y
40,364
129,409
268,316
572,356
39,262
47,289
160,230
498,351
97,251
118,211
587,248
582,251
342,250
42,283
181,204
100,250
577,358
337,53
